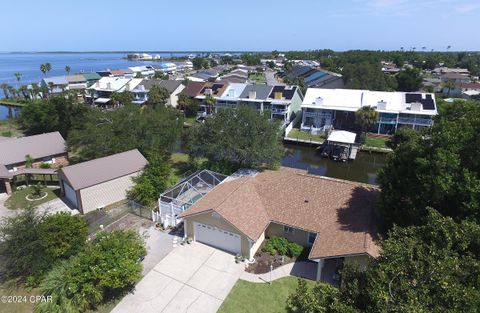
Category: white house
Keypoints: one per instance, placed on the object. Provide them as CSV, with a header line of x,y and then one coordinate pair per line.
x,y
101,91
323,109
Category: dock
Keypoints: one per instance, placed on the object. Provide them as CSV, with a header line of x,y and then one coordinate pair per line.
x,y
353,152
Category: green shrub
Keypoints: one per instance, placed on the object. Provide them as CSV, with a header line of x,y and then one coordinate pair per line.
x,y
276,245
294,249
45,165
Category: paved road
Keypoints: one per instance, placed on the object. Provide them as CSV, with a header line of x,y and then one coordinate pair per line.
x,y
192,278
271,80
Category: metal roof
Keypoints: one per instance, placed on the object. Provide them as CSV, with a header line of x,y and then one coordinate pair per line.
x,y
37,146
100,170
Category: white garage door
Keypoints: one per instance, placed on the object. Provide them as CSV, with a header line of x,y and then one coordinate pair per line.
x,y
217,237
70,194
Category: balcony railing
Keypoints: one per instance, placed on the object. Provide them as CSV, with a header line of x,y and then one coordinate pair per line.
x,y
415,120
279,111
317,114
388,120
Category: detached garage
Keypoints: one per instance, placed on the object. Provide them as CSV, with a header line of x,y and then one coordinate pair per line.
x,y
97,183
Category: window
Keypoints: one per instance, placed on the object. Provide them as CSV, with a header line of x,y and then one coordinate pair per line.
x,y
311,237
288,230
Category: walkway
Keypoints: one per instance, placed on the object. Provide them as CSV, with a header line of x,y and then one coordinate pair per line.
x,y
299,269
192,278
271,79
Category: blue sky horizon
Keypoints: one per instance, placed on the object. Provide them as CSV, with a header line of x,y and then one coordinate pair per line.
x,y
215,25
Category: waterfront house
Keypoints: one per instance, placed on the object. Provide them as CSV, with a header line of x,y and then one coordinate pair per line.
x,y
144,70
174,87
91,78
76,82
229,98
209,89
324,109
285,101
55,84
36,155
256,96
334,218
165,67
100,92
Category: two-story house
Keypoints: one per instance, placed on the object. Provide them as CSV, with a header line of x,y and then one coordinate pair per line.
x,y
324,109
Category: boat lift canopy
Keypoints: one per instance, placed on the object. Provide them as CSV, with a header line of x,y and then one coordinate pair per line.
x,y
342,136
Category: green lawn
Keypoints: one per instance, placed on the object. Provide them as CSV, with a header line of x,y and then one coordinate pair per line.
x,y
259,78
10,128
376,142
247,297
13,288
182,167
18,201
191,120
298,134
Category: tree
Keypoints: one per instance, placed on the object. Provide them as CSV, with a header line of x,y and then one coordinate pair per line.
x,y
121,98
367,75
4,87
59,113
439,169
43,68
155,179
62,235
409,80
199,63
271,64
67,69
188,105
19,244
48,67
237,138
147,129
158,96
449,84
366,117
18,76
106,269
210,102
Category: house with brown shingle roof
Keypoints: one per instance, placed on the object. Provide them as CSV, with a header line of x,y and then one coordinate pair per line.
x,y
333,217
46,153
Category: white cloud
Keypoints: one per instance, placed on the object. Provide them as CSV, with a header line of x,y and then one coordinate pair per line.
x,y
467,8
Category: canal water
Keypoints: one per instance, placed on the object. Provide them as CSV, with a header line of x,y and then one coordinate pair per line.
x,y
363,169
7,112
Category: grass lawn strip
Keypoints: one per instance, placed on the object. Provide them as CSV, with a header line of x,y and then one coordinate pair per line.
x,y
260,297
296,133
18,198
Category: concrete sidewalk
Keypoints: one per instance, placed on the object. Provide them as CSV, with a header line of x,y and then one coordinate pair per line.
x,y
299,269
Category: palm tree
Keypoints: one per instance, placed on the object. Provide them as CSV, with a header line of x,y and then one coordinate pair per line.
x,y
18,76
43,68
449,47
35,91
48,66
449,84
365,117
210,102
67,69
5,89
24,90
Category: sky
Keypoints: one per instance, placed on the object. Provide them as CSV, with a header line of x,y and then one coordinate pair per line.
x,y
245,25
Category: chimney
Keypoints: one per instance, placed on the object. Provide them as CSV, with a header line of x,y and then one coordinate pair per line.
x,y
127,87
319,101
109,85
278,95
252,94
208,91
381,105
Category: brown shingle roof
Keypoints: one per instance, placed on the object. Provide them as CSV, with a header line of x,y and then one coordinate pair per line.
x,y
100,170
193,88
340,212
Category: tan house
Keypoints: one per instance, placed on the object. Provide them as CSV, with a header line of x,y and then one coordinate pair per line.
x,y
333,217
97,183
45,153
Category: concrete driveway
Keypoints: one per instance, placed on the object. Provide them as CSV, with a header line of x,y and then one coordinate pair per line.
x,y
192,278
